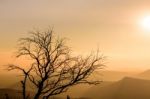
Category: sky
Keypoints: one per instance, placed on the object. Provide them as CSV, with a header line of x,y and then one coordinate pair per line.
x,y
115,26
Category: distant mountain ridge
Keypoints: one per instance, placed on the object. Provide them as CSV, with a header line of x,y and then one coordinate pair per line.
x,y
115,85
13,94
144,75
127,88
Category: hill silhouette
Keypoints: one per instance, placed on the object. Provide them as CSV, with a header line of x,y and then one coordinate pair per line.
x,y
144,75
127,88
13,94
78,91
115,75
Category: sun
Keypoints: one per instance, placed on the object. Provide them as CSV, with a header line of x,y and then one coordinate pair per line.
x,y
145,23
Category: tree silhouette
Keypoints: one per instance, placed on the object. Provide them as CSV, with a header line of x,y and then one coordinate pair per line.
x,y
53,69
68,97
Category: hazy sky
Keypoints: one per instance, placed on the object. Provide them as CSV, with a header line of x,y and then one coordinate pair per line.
x,y
113,25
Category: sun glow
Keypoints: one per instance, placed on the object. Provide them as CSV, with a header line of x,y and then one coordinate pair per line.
x,y
145,23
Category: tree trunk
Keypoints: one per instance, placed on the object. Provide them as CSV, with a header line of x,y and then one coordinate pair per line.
x,y
68,97
24,87
37,95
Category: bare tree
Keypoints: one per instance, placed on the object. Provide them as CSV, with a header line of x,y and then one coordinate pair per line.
x,y
53,69
24,81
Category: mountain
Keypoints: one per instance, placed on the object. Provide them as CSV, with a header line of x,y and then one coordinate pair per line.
x,y
115,75
127,88
79,90
144,75
74,91
12,80
115,85
13,94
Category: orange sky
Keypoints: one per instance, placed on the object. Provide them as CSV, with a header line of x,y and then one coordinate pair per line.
x,y
113,25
